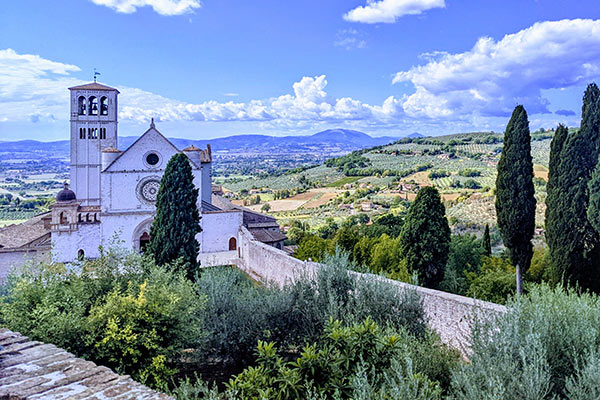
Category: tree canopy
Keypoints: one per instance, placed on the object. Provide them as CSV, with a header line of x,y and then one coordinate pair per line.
x,y
177,221
425,237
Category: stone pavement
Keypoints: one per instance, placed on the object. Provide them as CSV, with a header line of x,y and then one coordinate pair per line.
x,y
34,370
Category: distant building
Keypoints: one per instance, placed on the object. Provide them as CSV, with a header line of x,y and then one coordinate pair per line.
x,y
113,193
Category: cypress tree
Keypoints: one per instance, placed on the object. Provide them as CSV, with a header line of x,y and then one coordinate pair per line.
x,y
173,231
487,242
593,211
425,237
557,237
515,201
574,243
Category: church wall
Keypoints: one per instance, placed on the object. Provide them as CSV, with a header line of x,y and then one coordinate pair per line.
x,y
120,191
206,183
217,228
126,227
66,245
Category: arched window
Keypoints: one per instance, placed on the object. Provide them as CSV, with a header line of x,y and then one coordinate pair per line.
x,y
81,105
80,255
93,105
144,240
63,219
103,105
232,244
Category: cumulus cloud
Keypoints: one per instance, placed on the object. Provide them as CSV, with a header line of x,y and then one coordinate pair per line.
x,y
389,11
566,113
162,7
494,76
34,89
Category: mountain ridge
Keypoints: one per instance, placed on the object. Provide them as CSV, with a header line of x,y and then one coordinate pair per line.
x,y
345,139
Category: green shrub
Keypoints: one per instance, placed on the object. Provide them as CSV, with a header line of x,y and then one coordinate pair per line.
x,y
118,310
496,282
542,347
350,360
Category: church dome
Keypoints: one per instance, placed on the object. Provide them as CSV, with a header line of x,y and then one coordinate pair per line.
x,y
65,195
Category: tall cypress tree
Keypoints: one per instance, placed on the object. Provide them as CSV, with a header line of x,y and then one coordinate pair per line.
x,y
425,237
487,241
593,211
515,200
173,231
557,237
574,243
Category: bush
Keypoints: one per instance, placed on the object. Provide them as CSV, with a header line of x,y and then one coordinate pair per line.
x,y
119,310
496,282
544,346
240,313
464,259
350,360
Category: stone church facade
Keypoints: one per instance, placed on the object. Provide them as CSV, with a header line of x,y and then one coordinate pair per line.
x,y
113,193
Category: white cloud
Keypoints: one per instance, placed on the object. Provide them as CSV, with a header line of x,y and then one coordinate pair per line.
x,y
492,77
350,39
35,89
389,10
162,7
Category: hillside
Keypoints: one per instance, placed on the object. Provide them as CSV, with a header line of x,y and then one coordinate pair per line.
x,y
380,178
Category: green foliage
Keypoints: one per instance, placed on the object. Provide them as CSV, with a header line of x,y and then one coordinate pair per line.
x,y
313,247
593,211
438,174
544,344
487,242
173,231
541,266
111,311
495,282
425,237
386,258
573,241
469,172
464,261
346,238
586,384
515,201
240,313
361,359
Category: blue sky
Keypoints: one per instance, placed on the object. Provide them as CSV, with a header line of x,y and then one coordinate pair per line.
x,y
214,68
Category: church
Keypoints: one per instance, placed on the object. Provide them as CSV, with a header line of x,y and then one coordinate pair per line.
x,y
112,195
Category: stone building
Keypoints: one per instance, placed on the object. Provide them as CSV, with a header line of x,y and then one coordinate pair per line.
x,y
113,192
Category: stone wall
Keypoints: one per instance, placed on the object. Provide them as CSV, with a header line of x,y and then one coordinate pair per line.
x,y
12,259
447,314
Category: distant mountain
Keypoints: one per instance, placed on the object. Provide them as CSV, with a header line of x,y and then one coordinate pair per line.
x,y
338,139
415,135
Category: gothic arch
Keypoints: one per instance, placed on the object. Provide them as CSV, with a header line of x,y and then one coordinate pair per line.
x,y
141,232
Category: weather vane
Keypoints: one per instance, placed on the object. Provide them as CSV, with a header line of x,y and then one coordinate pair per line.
x,y
96,73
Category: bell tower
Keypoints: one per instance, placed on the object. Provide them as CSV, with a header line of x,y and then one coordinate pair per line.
x,y
93,128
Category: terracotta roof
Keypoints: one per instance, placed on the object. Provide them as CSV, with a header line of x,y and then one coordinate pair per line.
x,y
267,236
19,235
32,369
93,86
192,148
111,150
